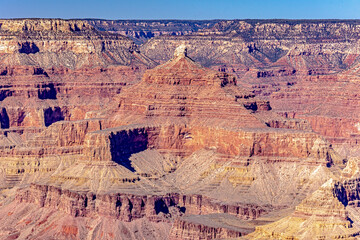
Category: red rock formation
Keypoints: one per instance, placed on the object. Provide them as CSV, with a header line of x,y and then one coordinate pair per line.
x,y
128,207
187,228
152,151
54,70
305,68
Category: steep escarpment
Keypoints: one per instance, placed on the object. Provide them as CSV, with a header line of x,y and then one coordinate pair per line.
x,y
54,70
54,43
268,40
321,215
30,221
330,212
157,152
88,150
215,227
142,30
128,207
306,68
311,30
300,65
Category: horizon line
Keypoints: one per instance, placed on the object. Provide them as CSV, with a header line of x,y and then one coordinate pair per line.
x,y
177,19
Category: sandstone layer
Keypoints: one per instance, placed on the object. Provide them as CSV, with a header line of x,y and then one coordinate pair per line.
x,y
142,30
306,68
53,70
97,142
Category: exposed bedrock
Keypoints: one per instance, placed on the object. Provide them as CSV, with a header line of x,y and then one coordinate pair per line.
x,y
38,25
73,44
314,77
47,223
321,215
108,144
330,212
330,106
47,91
29,98
53,70
65,133
142,30
88,141
208,227
257,43
236,132
52,115
128,207
347,188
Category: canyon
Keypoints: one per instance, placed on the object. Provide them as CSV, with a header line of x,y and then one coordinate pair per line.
x,y
171,129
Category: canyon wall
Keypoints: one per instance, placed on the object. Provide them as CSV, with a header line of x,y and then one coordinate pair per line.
x,y
142,30
209,129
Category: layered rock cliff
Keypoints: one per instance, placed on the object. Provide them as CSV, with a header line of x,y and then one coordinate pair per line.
x,y
54,43
142,30
53,70
306,68
330,212
321,215
88,150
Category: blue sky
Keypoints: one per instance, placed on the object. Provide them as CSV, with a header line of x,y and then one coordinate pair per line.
x,y
181,9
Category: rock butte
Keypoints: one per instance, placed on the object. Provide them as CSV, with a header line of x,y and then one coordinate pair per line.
x,y
99,141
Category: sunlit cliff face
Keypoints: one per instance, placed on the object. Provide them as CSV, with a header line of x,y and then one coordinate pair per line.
x,y
234,129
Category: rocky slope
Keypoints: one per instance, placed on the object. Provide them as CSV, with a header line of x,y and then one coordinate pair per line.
x,y
306,68
97,142
331,212
142,30
72,44
54,70
159,154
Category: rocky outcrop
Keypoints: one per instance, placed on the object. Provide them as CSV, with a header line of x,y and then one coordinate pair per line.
x,y
347,188
53,70
128,207
302,66
330,112
212,227
321,215
184,141
185,90
170,110
37,42
44,25
125,207
50,223
181,70
142,30
315,30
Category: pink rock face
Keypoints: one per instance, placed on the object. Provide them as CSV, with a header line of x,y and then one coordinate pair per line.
x,y
183,71
37,100
97,142
330,112
183,228
128,207
305,69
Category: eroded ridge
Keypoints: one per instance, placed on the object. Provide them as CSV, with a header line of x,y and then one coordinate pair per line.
x,y
185,152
